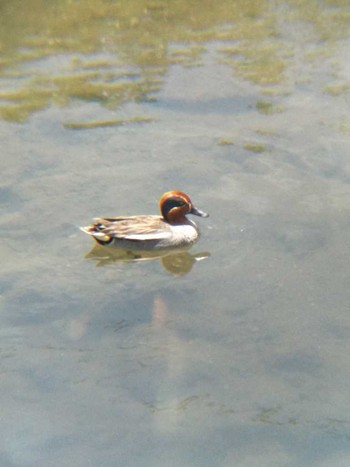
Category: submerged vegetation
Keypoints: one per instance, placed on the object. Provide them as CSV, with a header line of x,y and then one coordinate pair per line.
x,y
106,123
115,52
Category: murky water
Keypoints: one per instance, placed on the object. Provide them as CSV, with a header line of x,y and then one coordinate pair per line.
x,y
239,359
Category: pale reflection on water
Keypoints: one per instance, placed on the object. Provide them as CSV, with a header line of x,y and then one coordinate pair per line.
x,y
177,262
239,359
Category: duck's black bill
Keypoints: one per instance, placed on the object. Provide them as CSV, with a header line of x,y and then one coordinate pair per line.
x,y
198,212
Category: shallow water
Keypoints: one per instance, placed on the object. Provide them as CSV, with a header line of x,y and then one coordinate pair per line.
x,y
238,359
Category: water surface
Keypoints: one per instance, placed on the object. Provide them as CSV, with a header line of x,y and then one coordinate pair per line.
x,y
238,359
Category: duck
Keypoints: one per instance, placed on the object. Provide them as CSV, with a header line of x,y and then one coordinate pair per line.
x,y
172,229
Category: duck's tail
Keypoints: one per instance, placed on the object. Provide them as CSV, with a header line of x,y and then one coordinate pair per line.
x,y
99,236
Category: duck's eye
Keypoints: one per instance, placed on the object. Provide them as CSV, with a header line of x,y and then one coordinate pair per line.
x,y
172,203
177,202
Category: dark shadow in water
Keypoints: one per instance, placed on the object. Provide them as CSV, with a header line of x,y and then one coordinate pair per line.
x,y
176,262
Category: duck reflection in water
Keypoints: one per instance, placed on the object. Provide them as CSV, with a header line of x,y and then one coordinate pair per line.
x,y
176,261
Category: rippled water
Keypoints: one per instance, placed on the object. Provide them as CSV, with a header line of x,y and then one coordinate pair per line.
x,y
240,358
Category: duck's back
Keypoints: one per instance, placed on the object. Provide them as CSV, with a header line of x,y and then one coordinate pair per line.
x,y
142,232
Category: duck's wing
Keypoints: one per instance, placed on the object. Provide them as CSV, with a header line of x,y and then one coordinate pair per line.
x,y
139,228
